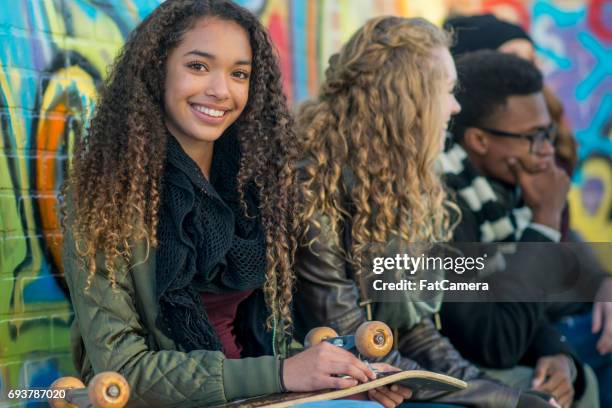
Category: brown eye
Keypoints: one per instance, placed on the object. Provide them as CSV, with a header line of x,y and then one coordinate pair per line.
x,y
241,75
197,66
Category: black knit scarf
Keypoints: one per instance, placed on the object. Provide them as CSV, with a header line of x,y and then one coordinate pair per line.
x,y
206,242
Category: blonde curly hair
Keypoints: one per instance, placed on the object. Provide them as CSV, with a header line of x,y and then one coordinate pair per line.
x,y
378,117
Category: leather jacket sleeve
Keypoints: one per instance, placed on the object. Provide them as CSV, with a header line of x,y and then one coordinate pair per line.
x,y
326,295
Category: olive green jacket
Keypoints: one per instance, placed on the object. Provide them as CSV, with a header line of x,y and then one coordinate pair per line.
x,y
115,330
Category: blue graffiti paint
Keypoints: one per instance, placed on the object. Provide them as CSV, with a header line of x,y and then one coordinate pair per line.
x,y
299,11
562,18
256,6
41,374
561,62
43,289
15,16
591,140
601,71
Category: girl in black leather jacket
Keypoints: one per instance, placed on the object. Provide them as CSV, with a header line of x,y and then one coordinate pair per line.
x,y
367,179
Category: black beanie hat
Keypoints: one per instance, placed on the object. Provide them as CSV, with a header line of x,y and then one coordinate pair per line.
x,y
473,33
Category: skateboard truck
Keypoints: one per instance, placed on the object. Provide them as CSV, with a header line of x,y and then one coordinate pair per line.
x,y
373,339
105,390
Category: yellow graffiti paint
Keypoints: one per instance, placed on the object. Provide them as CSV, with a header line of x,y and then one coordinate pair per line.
x,y
592,220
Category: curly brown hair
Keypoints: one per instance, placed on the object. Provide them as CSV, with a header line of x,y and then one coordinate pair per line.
x,y
565,143
114,186
378,118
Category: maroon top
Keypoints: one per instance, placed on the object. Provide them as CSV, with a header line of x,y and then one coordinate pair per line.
x,y
221,309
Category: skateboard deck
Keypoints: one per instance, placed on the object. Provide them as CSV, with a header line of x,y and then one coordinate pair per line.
x,y
413,379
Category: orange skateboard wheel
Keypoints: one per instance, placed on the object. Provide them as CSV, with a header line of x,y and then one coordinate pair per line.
x,y
374,339
108,390
66,383
318,335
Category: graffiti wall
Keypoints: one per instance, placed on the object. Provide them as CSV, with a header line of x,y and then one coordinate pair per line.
x,y
55,52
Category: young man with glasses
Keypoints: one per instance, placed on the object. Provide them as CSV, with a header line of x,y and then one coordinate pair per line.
x,y
501,168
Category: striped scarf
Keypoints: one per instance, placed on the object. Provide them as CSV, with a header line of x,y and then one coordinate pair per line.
x,y
500,215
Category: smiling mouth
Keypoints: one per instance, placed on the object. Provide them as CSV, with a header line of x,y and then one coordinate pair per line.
x,y
215,113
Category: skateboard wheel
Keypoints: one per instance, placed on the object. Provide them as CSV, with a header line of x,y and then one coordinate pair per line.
x,y
374,339
65,383
318,335
108,390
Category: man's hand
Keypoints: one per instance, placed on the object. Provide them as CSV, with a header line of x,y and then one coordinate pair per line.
x,y
602,317
553,376
389,396
544,191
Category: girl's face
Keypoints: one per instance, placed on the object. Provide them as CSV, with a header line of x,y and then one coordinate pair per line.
x,y
450,106
207,81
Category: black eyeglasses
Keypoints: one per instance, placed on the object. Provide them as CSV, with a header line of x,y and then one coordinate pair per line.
x,y
537,139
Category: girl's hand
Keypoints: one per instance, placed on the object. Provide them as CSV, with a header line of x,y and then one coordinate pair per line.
x,y
314,368
391,395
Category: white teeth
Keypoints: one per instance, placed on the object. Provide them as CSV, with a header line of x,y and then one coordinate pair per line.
x,y
210,112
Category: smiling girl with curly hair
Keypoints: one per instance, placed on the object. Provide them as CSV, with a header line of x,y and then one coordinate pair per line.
x,y
179,218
